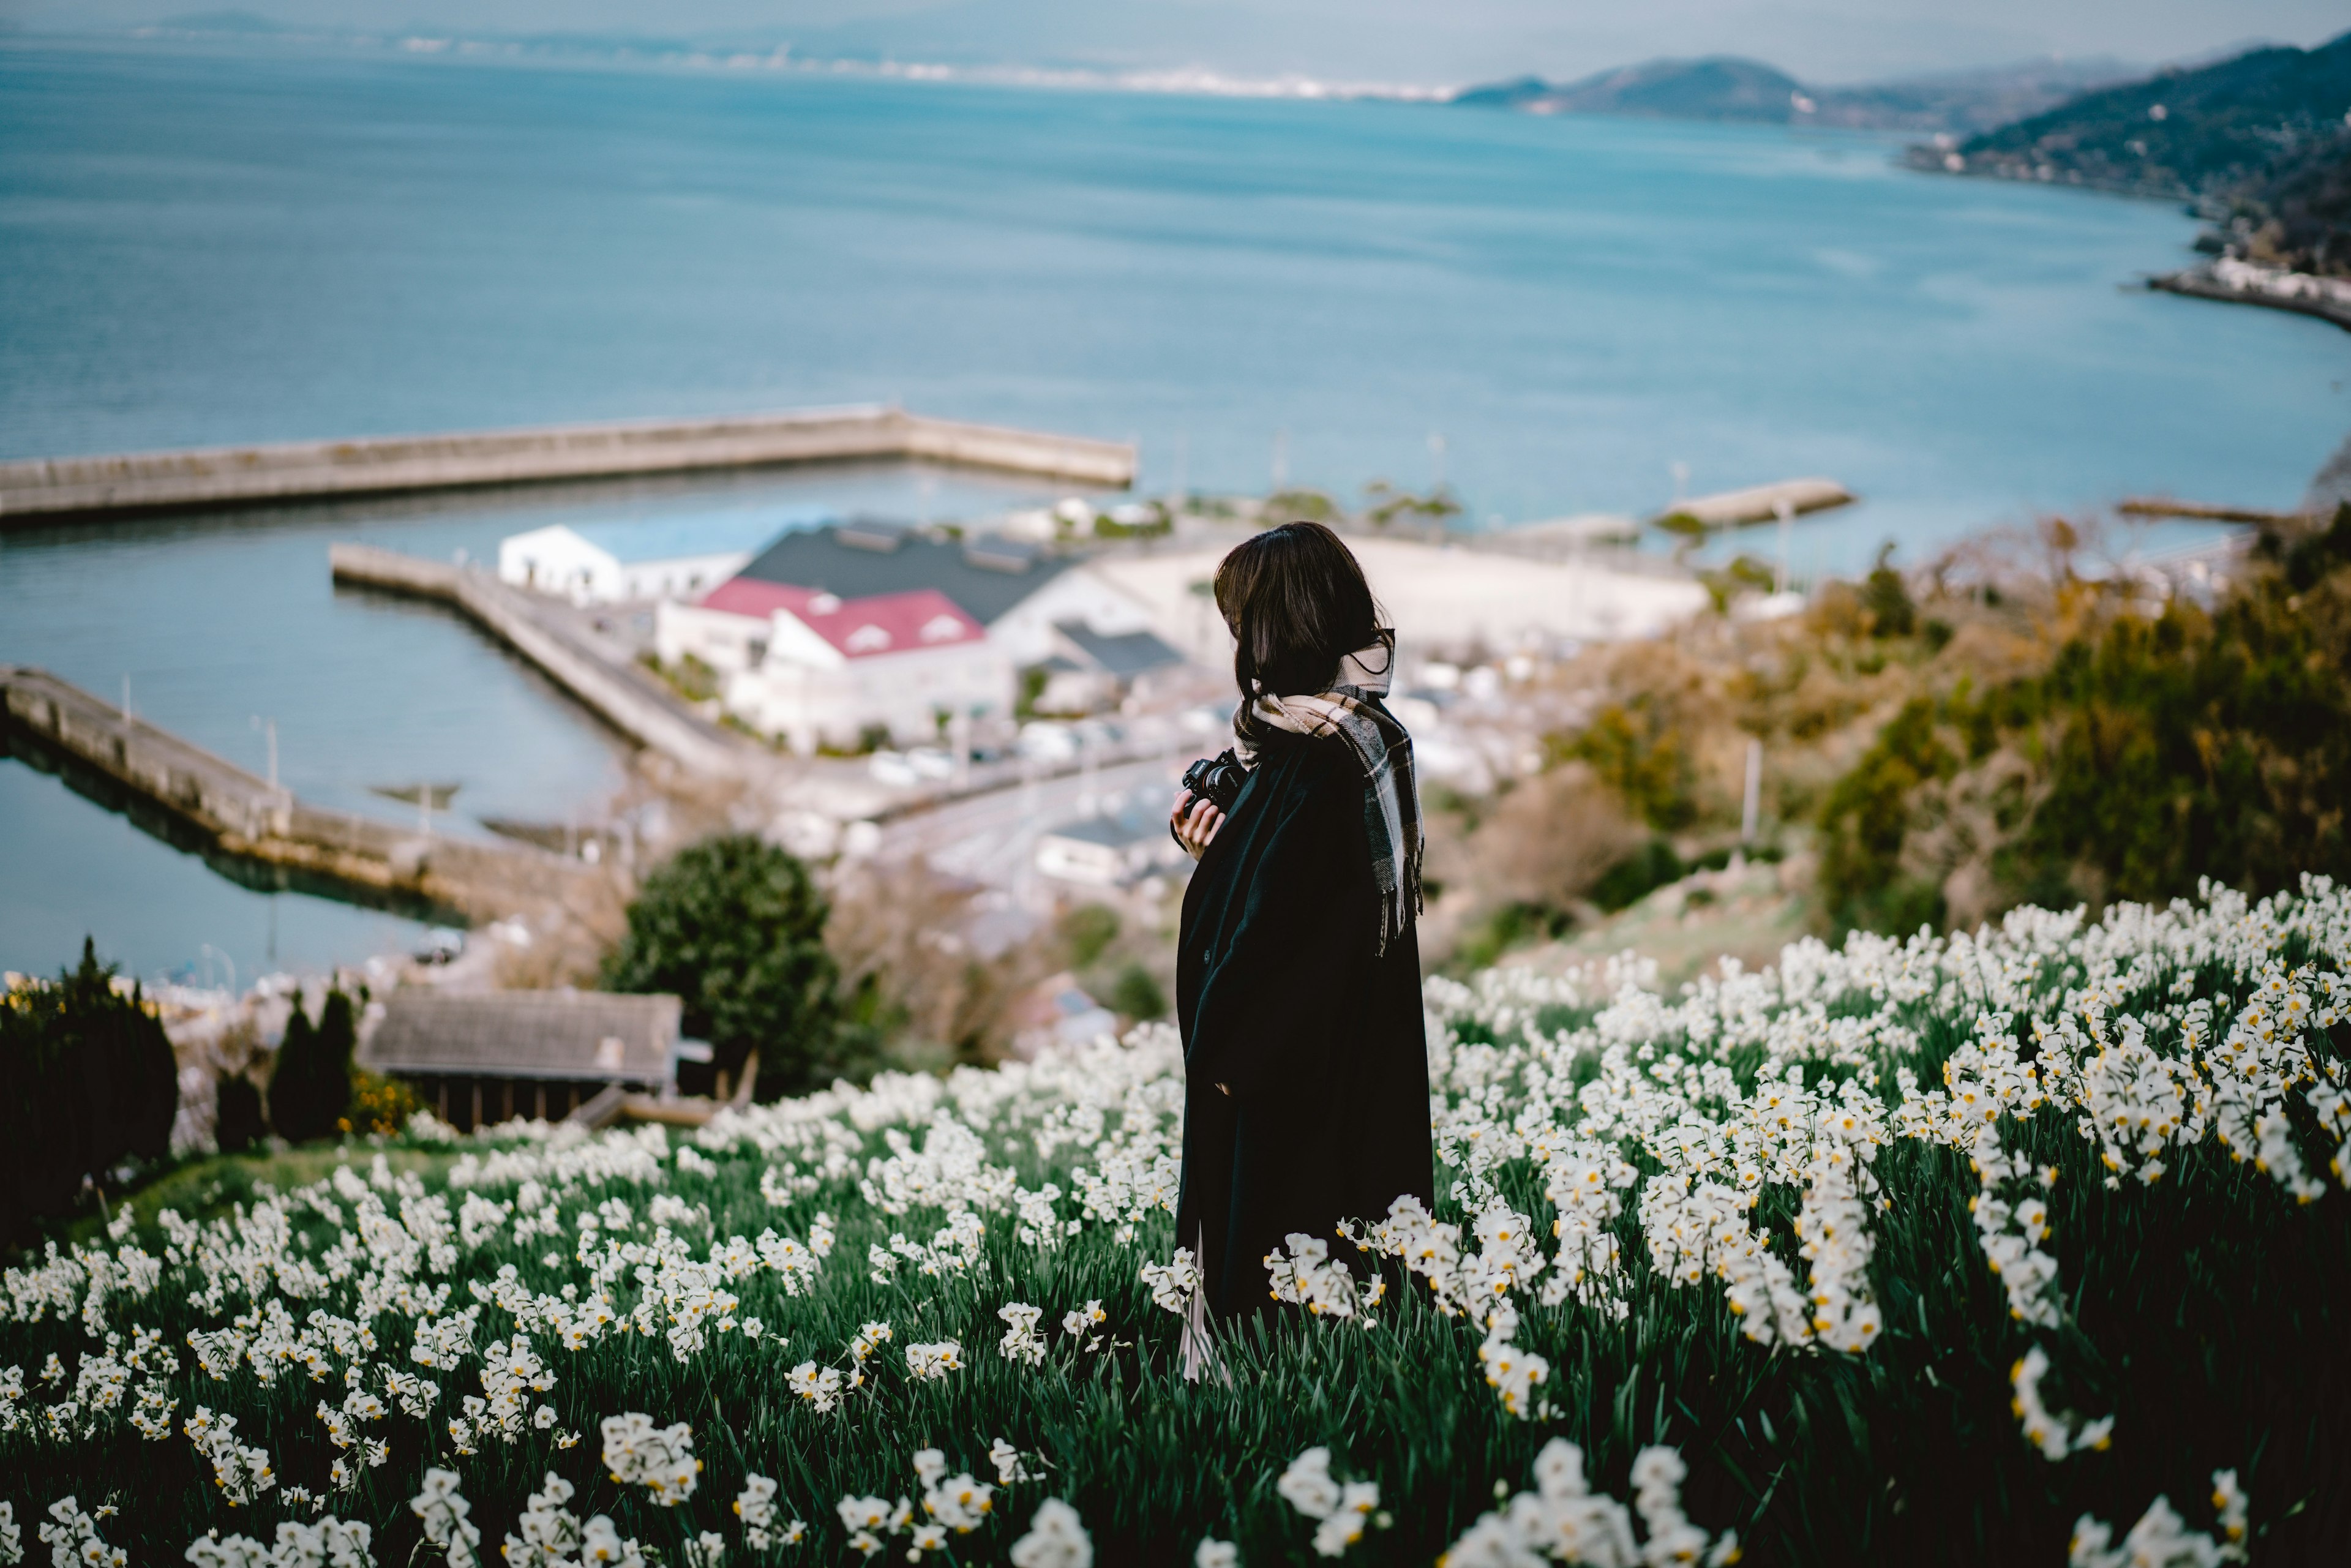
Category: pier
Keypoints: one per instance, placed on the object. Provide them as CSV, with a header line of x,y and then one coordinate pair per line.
x,y
212,477
198,801
630,699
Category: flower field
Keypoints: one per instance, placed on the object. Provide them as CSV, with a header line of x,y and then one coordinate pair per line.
x,y
2032,1246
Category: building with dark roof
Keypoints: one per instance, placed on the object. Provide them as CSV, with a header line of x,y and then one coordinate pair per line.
x,y
485,1057
832,633
988,576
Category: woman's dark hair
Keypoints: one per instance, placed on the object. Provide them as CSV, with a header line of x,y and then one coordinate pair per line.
x,y
1297,604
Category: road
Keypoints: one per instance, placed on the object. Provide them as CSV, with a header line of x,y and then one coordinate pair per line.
x,y
992,838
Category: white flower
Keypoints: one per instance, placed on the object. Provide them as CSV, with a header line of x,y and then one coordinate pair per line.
x,y
930,1363
755,1505
1214,1554
1056,1539
659,1459
1021,1341
1008,1462
1307,1485
443,1511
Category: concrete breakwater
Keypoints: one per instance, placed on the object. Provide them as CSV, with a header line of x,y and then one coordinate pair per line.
x,y
214,806
243,475
626,697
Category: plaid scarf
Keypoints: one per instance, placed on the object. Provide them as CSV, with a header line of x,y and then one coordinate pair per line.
x,y
1351,710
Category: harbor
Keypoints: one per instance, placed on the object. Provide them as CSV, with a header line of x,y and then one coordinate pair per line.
x,y
212,477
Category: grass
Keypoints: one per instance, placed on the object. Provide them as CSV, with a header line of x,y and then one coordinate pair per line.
x,y
2206,1313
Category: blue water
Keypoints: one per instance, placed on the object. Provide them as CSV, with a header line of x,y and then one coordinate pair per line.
x,y
201,248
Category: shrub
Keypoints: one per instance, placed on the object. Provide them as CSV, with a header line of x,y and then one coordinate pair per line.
x,y
379,1105
311,1088
1638,875
735,928
90,1082
1136,995
1088,929
236,1114
1886,599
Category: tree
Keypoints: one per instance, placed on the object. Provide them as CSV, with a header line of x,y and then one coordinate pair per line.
x,y
735,928
91,1081
311,1088
236,1114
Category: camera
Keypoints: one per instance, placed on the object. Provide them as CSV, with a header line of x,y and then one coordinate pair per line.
x,y
1217,780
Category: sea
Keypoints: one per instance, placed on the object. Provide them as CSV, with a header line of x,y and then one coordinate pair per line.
x,y
1550,316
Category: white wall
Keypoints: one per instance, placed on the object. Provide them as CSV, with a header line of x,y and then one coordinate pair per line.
x,y
725,641
809,704
1025,632
682,576
556,560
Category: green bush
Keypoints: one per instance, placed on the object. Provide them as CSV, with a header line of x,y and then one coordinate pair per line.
x,y
1637,875
91,1083
1887,598
1088,929
1640,750
236,1114
1136,995
310,1089
735,928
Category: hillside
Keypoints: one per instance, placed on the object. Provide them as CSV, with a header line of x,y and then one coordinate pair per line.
x,y
1728,88
2298,212
2205,133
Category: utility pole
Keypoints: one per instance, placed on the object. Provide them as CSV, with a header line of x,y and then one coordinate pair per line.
x,y
1752,807
1786,511
268,727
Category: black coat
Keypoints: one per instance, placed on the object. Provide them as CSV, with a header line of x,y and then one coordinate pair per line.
x,y
1285,1001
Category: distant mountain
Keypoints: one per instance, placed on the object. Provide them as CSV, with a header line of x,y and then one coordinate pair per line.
x,y
1720,86
1726,86
222,22
2187,134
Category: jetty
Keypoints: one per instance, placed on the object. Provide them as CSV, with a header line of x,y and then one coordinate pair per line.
x,y
240,824
2208,511
543,630
1760,503
212,477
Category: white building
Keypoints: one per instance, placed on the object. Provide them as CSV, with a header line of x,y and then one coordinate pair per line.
x,y
818,669
1107,852
661,557
818,638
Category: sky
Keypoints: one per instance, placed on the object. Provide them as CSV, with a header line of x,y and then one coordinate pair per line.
x,y
1425,41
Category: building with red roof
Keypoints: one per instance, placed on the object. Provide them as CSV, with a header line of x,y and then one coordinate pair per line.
x,y
834,632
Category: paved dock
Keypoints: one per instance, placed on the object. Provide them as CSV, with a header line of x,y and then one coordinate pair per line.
x,y
200,802
212,477
629,698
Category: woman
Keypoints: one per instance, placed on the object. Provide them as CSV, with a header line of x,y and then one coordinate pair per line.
x,y
1298,979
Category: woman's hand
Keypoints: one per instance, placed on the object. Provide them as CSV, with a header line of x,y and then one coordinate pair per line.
x,y
1195,821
